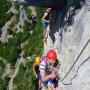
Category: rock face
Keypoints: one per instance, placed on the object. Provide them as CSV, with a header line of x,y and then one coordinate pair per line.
x,y
68,44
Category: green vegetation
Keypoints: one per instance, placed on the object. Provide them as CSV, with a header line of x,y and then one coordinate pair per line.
x,y
26,26
3,82
2,67
35,44
22,36
10,50
25,77
12,28
35,48
4,16
28,12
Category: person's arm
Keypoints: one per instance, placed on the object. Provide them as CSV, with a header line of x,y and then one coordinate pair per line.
x,y
46,77
34,65
43,75
44,16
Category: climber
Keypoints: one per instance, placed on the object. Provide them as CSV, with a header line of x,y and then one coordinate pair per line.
x,y
36,71
45,21
47,70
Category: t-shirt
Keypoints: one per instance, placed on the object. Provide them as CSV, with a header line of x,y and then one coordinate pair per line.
x,y
48,69
47,14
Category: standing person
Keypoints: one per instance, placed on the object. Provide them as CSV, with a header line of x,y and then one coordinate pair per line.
x,y
36,71
45,21
48,75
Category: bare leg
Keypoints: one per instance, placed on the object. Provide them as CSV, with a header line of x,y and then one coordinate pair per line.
x,y
39,82
44,33
50,87
45,37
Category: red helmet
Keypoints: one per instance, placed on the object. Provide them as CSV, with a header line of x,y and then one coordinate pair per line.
x,y
51,54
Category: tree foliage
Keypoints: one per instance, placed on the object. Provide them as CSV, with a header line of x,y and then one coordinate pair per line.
x,y
35,44
25,78
3,82
9,51
4,16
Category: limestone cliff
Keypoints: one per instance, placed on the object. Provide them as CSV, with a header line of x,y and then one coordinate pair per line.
x,y
72,44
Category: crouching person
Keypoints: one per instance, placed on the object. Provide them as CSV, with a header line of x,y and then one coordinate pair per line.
x,y
48,75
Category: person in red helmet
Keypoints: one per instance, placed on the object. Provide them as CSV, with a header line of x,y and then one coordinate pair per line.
x,y
47,71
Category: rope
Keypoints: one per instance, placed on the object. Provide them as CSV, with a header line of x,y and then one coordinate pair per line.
x,y
77,71
76,60
80,66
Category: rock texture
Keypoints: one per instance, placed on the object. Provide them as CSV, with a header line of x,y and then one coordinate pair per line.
x,y
68,44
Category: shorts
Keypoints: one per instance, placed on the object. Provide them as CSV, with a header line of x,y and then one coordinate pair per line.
x,y
49,81
39,77
44,25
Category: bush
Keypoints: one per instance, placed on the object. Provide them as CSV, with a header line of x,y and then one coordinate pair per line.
x,y
4,83
2,67
4,6
9,31
22,36
35,44
25,78
9,51
28,12
4,50
26,26
33,48
13,55
4,18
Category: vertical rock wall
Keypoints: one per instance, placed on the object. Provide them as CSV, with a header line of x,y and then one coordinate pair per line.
x,y
68,47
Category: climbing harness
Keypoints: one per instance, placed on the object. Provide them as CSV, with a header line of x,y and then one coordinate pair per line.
x,y
75,63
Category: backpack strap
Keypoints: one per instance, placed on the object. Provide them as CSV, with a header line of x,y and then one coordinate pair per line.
x,y
43,58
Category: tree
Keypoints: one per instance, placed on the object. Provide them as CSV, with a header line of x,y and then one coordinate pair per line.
x,y
25,78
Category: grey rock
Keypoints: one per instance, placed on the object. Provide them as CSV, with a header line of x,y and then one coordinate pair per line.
x,y
73,40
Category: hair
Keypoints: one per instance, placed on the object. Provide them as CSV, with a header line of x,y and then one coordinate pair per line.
x,y
48,10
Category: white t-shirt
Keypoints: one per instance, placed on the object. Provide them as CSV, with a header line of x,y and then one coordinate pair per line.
x,y
43,65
